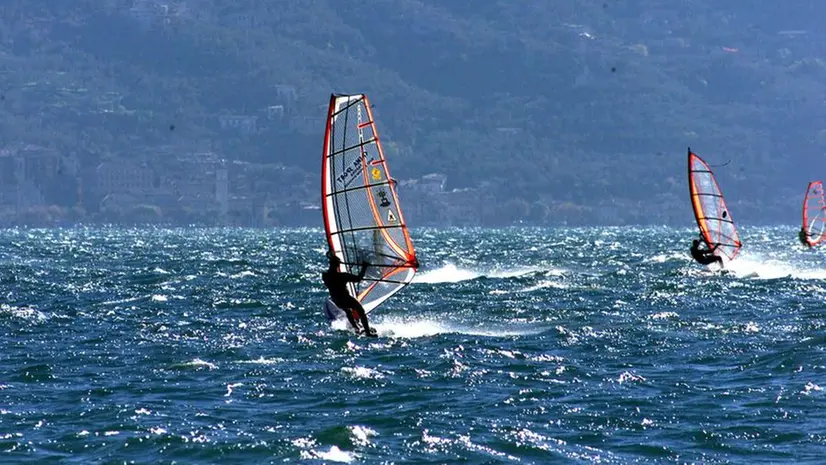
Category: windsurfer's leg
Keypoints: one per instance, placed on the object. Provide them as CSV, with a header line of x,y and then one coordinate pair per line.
x,y
346,305
354,311
349,313
714,259
363,317
708,259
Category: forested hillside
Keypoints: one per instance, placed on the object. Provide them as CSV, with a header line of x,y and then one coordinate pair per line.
x,y
576,112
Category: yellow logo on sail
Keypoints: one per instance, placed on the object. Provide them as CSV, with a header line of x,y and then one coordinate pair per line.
x,y
376,174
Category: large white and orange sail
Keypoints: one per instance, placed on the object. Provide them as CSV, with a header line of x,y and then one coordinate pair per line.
x,y
710,211
362,216
814,214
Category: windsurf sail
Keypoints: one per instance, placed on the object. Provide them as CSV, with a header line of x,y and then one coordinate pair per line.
x,y
362,217
814,214
710,211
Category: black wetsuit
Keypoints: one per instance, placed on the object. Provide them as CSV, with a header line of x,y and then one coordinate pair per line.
x,y
804,238
336,283
705,257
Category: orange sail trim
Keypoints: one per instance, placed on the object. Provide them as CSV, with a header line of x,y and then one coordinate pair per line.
x,y
409,253
710,211
814,214
363,220
408,243
325,186
387,276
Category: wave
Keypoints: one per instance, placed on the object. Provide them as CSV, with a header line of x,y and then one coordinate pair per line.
x,y
667,257
23,313
334,454
546,285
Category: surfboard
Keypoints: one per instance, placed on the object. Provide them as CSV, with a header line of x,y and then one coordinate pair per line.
x,y
710,211
363,219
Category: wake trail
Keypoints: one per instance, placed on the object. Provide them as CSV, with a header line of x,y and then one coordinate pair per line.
x,y
756,266
411,328
450,273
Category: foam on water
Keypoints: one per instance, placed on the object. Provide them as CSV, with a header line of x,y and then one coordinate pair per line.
x,y
757,265
450,273
417,327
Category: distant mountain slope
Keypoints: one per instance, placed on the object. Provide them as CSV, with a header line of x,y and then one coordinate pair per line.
x,y
586,103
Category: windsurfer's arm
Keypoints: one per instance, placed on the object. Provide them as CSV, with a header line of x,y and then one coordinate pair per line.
x,y
363,270
353,278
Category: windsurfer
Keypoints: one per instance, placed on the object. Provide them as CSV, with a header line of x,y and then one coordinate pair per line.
x,y
336,283
705,256
803,236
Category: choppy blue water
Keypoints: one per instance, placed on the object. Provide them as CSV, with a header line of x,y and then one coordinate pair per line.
x,y
513,346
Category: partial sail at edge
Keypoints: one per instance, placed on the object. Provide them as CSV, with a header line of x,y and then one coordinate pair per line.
x,y
814,214
710,211
362,216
